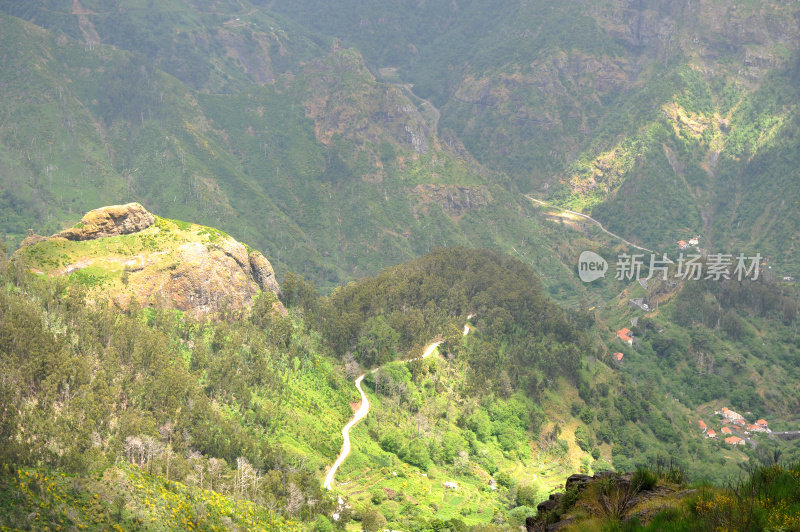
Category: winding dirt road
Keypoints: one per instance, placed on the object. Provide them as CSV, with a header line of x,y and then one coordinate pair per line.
x,y
363,410
589,219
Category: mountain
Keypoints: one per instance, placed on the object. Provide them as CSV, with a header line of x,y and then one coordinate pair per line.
x,y
413,171
125,254
664,120
327,170
160,415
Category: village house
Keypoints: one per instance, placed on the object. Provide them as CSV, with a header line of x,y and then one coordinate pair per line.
x,y
619,356
726,430
450,485
711,433
683,244
702,425
625,335
729,415
734,440
694,241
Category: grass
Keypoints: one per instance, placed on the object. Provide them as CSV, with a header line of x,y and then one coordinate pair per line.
x,y
122,498
767,498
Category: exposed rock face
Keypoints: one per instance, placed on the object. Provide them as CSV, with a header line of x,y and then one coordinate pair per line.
x,y
632,498
110,221
455,200
136,256
263,273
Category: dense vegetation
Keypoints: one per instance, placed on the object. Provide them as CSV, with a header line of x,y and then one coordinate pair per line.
x,y
524,338
660,499
250,406
278,165
295,127
85,387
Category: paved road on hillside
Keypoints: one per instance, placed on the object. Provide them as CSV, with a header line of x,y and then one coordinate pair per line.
x,y
363,410
590,219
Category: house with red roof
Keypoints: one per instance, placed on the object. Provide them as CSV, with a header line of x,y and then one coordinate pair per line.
x,y
711,433
702,425
682,244
762,422
734,440
739,422
625,335
619,356
726,430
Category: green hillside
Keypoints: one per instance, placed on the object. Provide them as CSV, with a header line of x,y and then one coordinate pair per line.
x,y
648,115
328,171
415,173
251,407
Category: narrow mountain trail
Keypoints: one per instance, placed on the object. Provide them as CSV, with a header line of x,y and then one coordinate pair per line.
x,y
590,219
363,410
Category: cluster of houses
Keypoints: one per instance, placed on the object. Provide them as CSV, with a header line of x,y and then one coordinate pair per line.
x,y
737,422
683,244
625,335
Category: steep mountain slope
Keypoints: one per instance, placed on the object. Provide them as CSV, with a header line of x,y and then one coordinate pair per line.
x,y
158,405
327,170
636,111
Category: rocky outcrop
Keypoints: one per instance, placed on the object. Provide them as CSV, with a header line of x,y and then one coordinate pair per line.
x,y
603,494
155,261
263,273
109,221
455,200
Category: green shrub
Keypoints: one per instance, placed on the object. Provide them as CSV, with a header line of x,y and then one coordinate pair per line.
x,y
644,479
526,496
378,496
372,521
322,524
504,479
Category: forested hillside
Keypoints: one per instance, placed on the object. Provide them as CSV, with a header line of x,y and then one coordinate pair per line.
x,y
328,171
664,119
415,172
251,406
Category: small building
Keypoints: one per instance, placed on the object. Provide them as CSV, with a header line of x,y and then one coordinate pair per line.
x,y
450,485
625,335
682,244
711,433
702,425
619,356
762,423
694,241
729,415
739,421
726,430
734,440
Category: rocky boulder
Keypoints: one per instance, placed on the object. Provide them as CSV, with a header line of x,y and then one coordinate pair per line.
x,y
109,221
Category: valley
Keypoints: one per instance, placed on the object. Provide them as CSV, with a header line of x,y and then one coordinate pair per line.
x,y
315,266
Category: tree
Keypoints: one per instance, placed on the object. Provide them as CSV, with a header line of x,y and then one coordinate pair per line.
x,y
378,345
372,521
526,496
